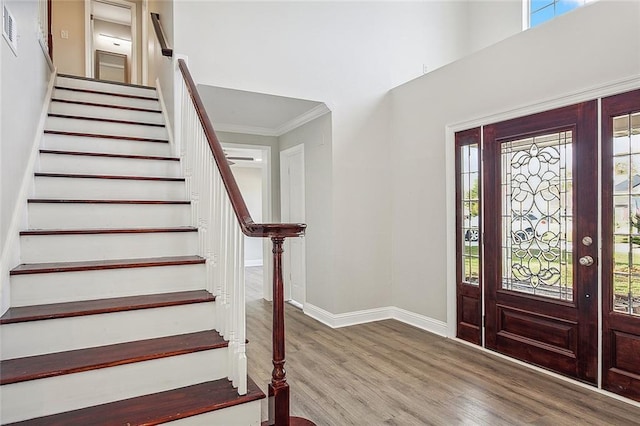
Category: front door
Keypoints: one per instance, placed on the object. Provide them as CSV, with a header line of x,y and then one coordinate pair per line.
x,y
540,239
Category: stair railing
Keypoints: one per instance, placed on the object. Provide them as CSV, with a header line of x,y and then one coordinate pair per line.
x,y
222,217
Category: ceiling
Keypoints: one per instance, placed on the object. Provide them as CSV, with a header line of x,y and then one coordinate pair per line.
x,y
239,111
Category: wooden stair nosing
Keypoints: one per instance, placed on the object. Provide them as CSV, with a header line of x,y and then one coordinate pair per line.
x,y
75,361
129,108
99,136
95,265
108,155
106,120
100,92
157,408
92,231
69,201
103,306
117,83
112,177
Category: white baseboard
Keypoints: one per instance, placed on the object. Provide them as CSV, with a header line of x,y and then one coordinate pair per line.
x,y
254,262
378,314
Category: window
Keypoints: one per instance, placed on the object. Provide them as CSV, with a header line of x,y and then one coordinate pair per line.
x,y
544,10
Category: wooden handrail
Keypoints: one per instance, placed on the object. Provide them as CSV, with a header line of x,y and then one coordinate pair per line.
x,y
277,232
166,50
248,226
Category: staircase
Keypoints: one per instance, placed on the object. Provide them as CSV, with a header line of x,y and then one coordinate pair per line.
x,y
110,319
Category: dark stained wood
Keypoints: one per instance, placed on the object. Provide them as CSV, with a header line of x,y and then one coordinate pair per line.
x,y
75,361
620,332
49,32
113,177
93,135
107,155
95,265
468,296
107,231
559,335
99,92
67,101
117,83
156,408
105,120
59,201
248,226
157,27
102,306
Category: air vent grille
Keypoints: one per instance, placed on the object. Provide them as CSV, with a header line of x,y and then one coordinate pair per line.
x,y
9,29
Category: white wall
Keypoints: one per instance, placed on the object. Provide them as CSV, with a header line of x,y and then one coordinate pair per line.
x,y
161,67
491,21
348,55
24,85
316,137
249,181
592,46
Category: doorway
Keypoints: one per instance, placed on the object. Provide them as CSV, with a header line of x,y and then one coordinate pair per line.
x,y
292,194
541,250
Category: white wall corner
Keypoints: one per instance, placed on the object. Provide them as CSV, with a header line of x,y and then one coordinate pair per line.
x,y
10,256
420,321
302,119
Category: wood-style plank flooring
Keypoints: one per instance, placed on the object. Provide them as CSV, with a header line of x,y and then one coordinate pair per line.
x,y
389,373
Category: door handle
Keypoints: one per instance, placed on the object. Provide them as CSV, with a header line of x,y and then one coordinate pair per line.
x,y
586,260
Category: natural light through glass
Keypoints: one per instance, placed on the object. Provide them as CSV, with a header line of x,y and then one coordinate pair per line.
x,y
470,202
543,10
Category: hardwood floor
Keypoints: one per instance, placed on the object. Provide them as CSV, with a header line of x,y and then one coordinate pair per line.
x,y
389,373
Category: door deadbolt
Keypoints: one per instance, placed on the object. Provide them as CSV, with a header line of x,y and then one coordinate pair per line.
x,y
587,241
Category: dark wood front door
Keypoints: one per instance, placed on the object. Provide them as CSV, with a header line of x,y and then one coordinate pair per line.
x,y
540,247
621,249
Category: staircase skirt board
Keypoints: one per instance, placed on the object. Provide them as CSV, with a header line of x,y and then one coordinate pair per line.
x,y
87,109
61,287
105,99
86,188
62,142
59,162
64,80
93,126
81,247
207,403
70,333
102,215
42,397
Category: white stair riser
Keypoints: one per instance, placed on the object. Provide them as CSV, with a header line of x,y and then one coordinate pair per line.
x,y
72,248
58,287
108,189
105,87
105,112
105,145
247,414
65,334
21,401
101,216
97,98
57,163
105,128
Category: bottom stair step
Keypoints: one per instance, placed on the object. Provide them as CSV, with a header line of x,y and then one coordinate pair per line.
x,y
162,407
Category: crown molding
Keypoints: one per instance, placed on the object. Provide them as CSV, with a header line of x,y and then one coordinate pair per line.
x,y
249,130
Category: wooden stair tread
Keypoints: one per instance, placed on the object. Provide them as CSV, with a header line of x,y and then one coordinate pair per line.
x,y
107,231
114,177
96,104
100,136
75,361
67,201
102,306
157,408
117,83
101,92
107,155
93,265
106,120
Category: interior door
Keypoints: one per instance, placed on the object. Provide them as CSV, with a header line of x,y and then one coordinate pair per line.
x,y
540,225
621,249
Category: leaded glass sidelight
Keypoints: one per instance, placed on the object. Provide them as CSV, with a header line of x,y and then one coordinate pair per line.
x,y
536,215
626,217
470,204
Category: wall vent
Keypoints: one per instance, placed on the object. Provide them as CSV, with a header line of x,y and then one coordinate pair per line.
x,y
9,29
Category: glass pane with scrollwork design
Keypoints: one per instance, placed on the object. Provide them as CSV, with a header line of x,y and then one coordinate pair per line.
x,y
470,202
626,214
537,215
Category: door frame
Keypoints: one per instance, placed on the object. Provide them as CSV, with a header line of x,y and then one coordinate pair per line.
x,y
285,155
534,106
